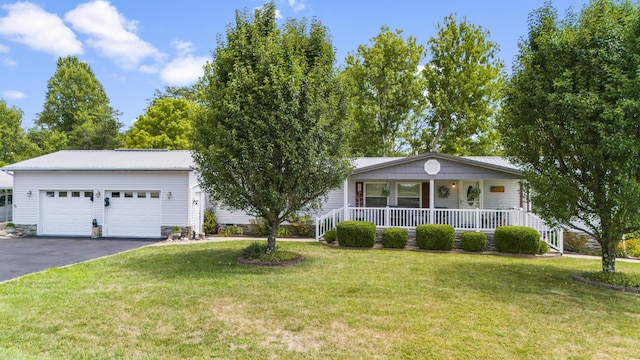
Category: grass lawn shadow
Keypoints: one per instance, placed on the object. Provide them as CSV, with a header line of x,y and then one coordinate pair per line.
x,y
196,261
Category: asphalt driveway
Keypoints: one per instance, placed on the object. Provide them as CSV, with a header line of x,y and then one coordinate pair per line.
x,y
23,256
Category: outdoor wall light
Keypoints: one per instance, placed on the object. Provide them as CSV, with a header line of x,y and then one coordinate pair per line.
x,y
169,195
98,193
453,185
29,193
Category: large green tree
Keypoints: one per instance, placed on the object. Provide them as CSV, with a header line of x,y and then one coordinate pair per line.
x,y
77,105
166,124
571,119
269,141
463,77
14,146
385,92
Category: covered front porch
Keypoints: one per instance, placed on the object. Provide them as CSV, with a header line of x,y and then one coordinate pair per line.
x,y
485,220
473,193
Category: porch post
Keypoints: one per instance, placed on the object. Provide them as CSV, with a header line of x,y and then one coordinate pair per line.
x,y
432,200
345,198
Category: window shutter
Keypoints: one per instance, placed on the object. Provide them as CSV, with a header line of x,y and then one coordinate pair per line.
x,y
359,194
425,195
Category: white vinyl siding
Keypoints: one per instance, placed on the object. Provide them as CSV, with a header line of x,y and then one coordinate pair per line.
x,y
175,210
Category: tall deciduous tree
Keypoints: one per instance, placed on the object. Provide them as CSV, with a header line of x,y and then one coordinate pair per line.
x,y
385,91
166,124
463,77
571,119
14,144
77,105
269,141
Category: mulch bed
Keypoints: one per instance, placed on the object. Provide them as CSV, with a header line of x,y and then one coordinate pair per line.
x,y
633,290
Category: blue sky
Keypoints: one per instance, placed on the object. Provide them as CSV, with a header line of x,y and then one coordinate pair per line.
x,y
137,46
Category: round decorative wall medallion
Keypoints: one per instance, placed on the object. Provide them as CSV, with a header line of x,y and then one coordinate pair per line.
x,y
432,167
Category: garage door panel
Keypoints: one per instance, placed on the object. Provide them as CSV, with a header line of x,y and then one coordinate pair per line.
x,y
133,213
66,212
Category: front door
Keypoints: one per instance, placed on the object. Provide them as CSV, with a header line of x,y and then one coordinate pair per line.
x,y
469,195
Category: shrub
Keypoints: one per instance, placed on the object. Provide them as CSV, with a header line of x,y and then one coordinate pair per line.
x,y
517,240
630,247
356,233
435,236
283,232
473,241
254,250
302,225
330,236
259,226
574,242
233,230
543,247
395,238
176,228
210,225
10,224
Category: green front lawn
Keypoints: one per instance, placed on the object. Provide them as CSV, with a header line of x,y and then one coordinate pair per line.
x,y
195,301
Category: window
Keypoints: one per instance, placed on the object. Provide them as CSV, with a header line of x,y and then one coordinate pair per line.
x,y
374,195
62,194
51,194
142,194
115,194
408,195
128,194
155,194
75,194
88,194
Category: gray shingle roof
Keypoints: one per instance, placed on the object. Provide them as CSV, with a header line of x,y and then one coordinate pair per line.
x,y
107,160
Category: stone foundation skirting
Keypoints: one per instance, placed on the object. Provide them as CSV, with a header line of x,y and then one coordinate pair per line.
x,y
185,232
26,230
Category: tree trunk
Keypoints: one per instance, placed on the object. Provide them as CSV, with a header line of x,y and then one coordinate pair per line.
x,y
609,255
271,240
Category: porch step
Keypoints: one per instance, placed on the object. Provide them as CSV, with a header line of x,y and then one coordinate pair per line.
x,y
491,246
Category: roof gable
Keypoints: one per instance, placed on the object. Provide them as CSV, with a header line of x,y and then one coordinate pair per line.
x,y
495,163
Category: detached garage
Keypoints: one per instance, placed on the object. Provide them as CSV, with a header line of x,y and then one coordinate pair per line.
x,y
126,193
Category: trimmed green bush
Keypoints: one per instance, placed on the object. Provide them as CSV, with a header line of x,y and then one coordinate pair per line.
x,y
517,240
543,248
435,236
356,233
395,238
210,225
330,236
473,241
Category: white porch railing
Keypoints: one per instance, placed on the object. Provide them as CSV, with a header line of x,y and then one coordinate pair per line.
x,y
460,219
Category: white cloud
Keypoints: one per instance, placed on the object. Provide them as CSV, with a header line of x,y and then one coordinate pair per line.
x,y
184,70
13,94
297,5
4,49
29,24
111,33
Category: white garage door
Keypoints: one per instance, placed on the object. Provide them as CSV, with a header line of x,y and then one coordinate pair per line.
x,y
133,213
66,212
